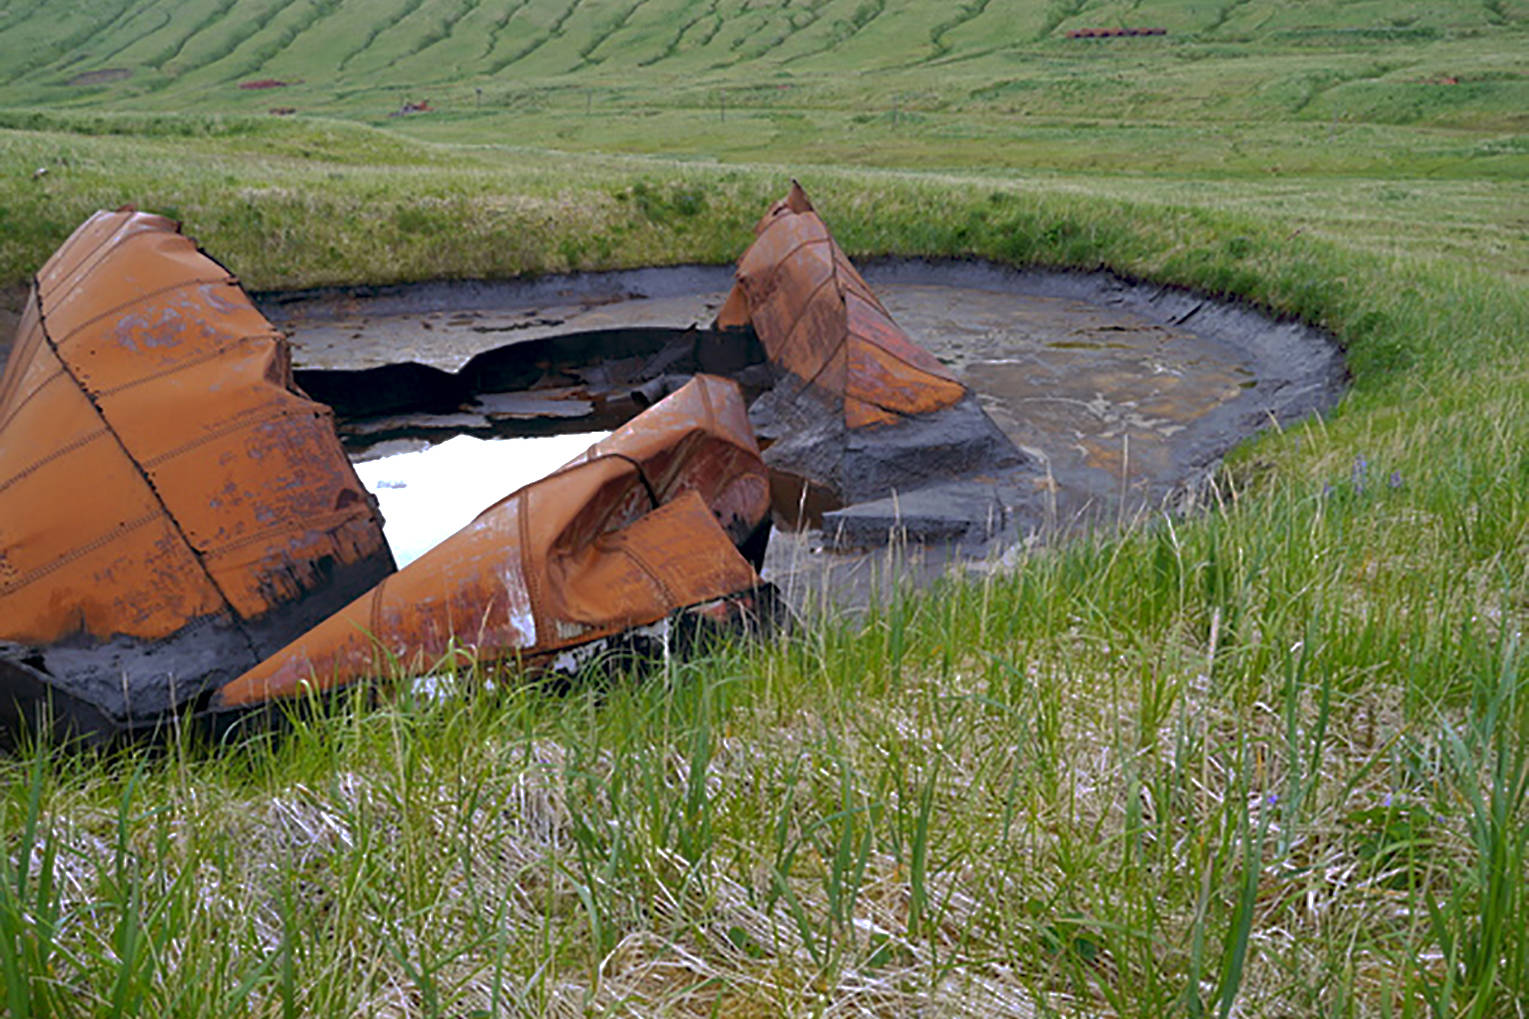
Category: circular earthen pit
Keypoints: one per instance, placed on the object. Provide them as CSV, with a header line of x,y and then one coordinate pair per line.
x,y
1125,394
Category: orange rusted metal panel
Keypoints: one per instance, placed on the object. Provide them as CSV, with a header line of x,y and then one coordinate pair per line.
x,y
820,322
647,522
161,474
857,410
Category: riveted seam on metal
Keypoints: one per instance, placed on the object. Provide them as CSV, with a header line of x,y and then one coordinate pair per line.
x,y
650,572
64,450
237,423
316,523
800,319
164,508
34,575
809,242
91,259
85,265
857,286
860,291
30,396
904,361
137,298
191,362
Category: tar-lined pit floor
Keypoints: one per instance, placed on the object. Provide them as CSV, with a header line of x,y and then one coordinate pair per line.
x,y
1127,394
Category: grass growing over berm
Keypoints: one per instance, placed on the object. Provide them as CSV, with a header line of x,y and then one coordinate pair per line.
x,y
1266,759
1181,780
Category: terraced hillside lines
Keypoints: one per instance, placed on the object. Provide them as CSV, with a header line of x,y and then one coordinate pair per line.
x,y
552,31
243,54
587,25
801,30
864,34
38,40
703,10
195,59
961,15
843,27
506,38
355,57
20,11
716,26
151,18
375,22
161,46
406,35
704,42
1377,16
1224,14
349,31
587,56
446,49
736,33
82,57
994,25
496,17
264,53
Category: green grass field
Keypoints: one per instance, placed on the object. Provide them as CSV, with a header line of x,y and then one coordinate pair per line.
x,y
1266,759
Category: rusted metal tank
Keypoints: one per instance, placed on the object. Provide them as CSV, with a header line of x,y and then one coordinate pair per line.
x,y
821,324
172,507
858,409
647,522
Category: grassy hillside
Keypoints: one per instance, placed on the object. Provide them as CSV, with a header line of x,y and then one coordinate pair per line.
x,y
1381,123
1266,759
197,51
1454,64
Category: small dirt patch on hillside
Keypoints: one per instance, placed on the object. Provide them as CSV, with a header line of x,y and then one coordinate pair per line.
x,y
102,76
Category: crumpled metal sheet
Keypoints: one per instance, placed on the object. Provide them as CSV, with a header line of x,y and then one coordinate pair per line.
x,y
645,523
858,410
820,322
172,507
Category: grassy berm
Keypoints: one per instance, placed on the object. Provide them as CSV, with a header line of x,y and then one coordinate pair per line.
x,y
1264,758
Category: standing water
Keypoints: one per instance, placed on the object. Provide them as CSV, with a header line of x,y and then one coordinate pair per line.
x,y
428,495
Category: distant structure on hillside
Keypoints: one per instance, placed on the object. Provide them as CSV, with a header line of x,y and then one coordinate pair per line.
x,y
1113,33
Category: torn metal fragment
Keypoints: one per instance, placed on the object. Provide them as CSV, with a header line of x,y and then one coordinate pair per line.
x,y
821,324
858,409
647,522
172,507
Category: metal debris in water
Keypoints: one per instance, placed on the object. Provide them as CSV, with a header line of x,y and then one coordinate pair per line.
x,y
663,516
174,511
858,411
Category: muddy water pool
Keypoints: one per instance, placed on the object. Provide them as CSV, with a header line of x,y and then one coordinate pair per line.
x,y
1125,393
